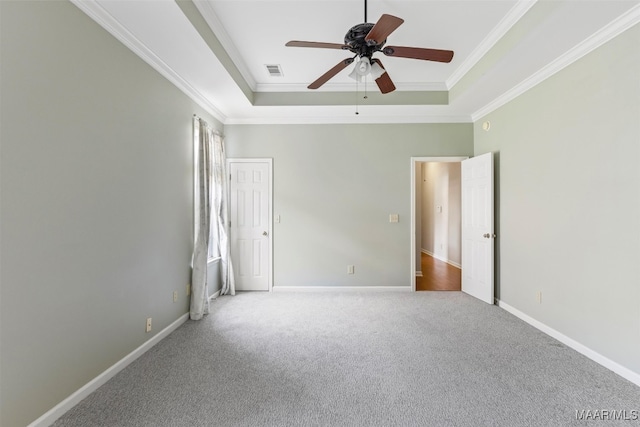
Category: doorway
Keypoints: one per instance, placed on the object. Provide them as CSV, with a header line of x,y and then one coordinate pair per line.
x,y
436,223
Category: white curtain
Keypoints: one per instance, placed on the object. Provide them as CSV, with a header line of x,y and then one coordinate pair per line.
x,y
221,197
211,217
203,192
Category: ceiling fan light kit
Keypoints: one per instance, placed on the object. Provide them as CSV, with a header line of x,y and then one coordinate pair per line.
x,y
355,76
365,68
364,40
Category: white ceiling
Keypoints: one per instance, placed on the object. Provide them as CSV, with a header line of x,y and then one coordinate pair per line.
x,y
216,52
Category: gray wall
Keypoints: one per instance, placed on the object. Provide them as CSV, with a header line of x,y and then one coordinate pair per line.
x,y
569,199
334,188
96,187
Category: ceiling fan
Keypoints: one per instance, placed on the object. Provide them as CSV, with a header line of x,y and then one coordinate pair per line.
x,y
366,39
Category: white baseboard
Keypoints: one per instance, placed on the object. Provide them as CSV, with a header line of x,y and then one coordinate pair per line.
x,y
340,288
438,257
61,408
214,295
626,373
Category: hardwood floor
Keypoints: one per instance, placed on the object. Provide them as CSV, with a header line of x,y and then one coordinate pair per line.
x,y
438,276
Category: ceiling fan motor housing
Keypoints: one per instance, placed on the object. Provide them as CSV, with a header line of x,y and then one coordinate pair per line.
x,y
355,39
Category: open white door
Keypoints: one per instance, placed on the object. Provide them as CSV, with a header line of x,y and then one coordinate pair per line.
x,y
250,216
477,227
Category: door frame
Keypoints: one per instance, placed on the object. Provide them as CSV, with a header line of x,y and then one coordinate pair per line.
x,y
269,161
414,161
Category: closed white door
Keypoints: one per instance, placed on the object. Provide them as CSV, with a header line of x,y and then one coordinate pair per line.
x,y
477,227
250,217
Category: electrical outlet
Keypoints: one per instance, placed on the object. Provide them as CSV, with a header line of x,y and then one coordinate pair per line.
x,y
188,289
539,297
149,324
350,269
175,296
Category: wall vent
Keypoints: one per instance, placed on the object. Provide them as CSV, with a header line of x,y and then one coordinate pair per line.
x,y
274,70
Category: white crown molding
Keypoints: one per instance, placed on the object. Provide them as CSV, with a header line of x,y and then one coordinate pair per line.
x,y
508,21
613,29
116,29
362,118
349,87
209,15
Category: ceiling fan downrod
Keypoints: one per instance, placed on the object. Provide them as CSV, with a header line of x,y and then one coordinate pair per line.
x,y
365,11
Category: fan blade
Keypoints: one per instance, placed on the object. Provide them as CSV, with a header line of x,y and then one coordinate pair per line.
x,y
329,74
386,25
384,81
298,43
419,53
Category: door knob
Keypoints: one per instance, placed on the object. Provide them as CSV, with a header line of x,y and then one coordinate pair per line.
x,y
264,233
488,236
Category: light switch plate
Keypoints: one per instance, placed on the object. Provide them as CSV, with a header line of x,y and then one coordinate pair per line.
x,y
393,218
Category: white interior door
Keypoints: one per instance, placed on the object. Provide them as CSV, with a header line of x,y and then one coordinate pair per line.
x,y
250,216
477,227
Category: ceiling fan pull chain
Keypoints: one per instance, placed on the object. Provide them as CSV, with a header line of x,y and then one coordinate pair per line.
x,y
357,98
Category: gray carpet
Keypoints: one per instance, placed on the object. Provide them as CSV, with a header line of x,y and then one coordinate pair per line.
x,y
355,359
